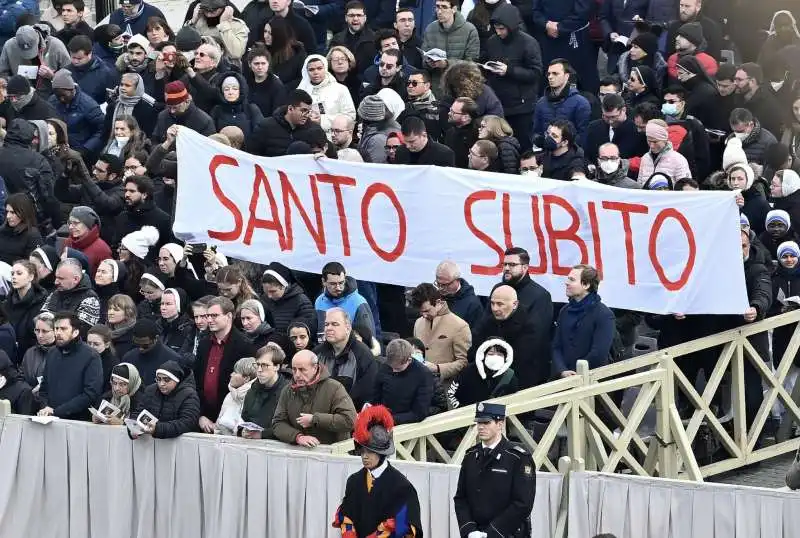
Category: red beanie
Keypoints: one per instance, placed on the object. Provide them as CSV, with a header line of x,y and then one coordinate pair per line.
x,y
175,93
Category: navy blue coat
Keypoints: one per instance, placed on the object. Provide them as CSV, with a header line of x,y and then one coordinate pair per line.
x,y
84,121
465,304
10,10
574,107
617,15
630,142
95,78
585,331
72,381
139,24
148,363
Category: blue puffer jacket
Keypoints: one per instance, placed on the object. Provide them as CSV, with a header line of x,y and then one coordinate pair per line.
x,y
84,121
94,78
351,302
10,10
574,107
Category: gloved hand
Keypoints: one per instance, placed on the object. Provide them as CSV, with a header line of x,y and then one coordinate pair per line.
x,y
477,534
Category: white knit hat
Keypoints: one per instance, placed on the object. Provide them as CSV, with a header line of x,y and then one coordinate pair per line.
x,y
393,102
140,241
733,154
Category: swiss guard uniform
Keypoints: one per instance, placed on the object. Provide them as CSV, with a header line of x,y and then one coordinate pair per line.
x,y
379,502
496,486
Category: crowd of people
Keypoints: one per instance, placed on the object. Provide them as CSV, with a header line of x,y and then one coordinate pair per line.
x,y
102,304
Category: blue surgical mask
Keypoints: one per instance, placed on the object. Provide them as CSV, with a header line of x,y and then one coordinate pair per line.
x,y
669,109
550,143
417,355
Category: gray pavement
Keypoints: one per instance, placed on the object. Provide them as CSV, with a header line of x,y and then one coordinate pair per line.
x,y
767,474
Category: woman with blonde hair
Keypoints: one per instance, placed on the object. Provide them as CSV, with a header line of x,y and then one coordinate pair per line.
x,y
230,414
342,65
233,284
499,131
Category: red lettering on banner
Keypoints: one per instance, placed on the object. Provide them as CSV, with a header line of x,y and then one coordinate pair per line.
x,y
272,223
400,246
687,229
318,233
506,210
216,162
337,182
596,244
541,268
570,234
625,210
488,270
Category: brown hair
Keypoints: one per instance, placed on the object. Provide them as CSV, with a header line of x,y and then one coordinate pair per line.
x,y
122,302
589,276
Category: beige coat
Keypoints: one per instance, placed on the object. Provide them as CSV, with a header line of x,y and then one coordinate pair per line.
x,y
447,340
327,399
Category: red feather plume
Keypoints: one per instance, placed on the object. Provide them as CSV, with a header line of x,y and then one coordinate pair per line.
x,y
371,416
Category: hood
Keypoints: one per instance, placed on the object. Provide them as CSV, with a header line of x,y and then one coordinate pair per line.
x,y
480,355
292,291
44,138
93,65
393,102
784,13
243,87
61,129
20,133
306,85
458,22
507,15
350,286
790,183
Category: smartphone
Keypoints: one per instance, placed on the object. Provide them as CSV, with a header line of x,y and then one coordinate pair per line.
x,y
198,248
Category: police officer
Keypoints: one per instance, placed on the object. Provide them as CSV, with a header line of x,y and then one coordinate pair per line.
x,y
497,482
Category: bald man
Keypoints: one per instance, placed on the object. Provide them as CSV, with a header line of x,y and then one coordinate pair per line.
x,y
513,323
315,409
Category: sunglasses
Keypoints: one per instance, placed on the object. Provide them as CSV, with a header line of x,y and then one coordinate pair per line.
x,y
388,66
391,148
414,83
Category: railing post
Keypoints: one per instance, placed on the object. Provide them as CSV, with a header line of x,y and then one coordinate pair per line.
x,y
576,422
5,408
738,401
667,449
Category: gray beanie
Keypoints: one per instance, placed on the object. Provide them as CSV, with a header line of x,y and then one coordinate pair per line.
x,y
86,215
63,80
372,108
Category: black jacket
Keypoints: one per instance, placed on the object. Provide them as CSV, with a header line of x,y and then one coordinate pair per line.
x,y
144,214
36,109
260,403
146,115
237,347
194,118
123,342
26,170
290,71
518,89
460,140
82,300
148,363
293,306
508,155
16,390
355,368
273,135
712,33
407,394
17,244
362,45
767,109
630,142
267,95
241,113
177,412
433,153
562,166
73,380
21,312
178,334
107,198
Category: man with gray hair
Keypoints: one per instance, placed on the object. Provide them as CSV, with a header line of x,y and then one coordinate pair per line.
x,y
403,384
315,409
458,293
74,293
347,360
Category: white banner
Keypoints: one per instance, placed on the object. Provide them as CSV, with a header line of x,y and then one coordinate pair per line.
x,y
658,252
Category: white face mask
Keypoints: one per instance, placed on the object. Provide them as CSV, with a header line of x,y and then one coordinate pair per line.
x,y
122,140
741,136
493,361
609,167
532,173
492,2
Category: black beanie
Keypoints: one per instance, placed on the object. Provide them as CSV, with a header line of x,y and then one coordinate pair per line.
x,y
693,33
145,328
279,272
169,165
174,370
647,42
104,33
18,85
187,39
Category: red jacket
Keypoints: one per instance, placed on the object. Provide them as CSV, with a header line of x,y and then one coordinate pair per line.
x,y
709,65
93,247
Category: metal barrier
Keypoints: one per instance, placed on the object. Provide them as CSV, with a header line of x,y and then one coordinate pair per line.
x,y
668,451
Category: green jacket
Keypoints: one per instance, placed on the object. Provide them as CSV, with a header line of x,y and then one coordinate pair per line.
x,y
461,43
327,399
260,404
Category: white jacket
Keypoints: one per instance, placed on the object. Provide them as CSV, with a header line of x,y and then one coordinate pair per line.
x,y
334,97
230,415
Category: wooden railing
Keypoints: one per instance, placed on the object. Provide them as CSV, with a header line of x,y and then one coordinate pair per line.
x,y
583,413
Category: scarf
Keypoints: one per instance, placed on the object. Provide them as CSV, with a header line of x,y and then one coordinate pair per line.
x,y
124,402
135,15
22,101
120,329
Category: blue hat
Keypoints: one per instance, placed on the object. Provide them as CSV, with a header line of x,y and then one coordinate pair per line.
x,y
788,247
743,220
484,412
779,215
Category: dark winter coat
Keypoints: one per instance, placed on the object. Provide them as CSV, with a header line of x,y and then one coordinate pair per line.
x,y
82,300
260,403
407,394
240,113
767,109
139,24
433,153
107,198
584,331
94,78
465,304
790,204
562,166
267,95
470,388
177,412
569,105
508,154
178,334
461,140
146,115
73,380
757,143
756,208
26,170
787,281
362,45
355,368
273,135
519,87
17,243
148,363
237,347
85,121
16,390
36,109
21,313
290,71
293,306
617,15
630,142
144,214
194,118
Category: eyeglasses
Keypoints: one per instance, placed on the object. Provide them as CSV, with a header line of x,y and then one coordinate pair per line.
x,y
340,60
263,365
414,83
335,284
441,285
203,54
389,147
476,155
213,316
339,131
